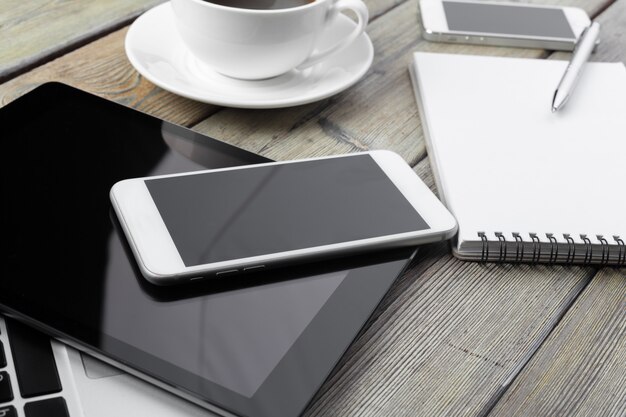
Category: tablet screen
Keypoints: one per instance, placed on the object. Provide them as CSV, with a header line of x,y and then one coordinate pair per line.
x,y
233,338
258,348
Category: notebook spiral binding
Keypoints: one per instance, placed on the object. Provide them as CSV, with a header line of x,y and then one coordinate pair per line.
x,y
536,249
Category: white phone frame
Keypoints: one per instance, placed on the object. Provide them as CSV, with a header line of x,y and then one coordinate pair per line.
x,y
436,27
161,263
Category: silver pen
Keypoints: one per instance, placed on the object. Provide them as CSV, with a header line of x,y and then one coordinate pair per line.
x,y
583,49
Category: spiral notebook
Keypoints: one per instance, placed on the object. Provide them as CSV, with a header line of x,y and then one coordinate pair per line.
x,y
526,184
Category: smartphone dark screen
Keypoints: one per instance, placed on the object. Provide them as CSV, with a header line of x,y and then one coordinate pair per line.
x,y
507,20
260,346
234,214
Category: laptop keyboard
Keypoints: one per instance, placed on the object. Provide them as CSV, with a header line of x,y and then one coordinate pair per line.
x,y
33,375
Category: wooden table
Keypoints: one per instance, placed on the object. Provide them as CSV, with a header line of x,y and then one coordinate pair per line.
x,y
452,338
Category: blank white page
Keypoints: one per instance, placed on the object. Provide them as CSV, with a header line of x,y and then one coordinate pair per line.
x,y
504,162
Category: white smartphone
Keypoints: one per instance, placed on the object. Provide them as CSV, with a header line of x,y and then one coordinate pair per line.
x,y
215,223
503,24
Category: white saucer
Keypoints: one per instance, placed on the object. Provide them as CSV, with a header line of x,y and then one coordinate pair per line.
x,y
155,49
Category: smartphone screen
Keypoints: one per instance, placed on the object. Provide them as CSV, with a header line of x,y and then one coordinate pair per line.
x,y
507,20
242,213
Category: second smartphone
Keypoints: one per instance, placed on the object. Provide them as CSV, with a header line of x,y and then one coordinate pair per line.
x,y
216,223
503,24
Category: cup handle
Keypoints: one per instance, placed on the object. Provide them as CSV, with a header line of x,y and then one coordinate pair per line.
x,y
362,14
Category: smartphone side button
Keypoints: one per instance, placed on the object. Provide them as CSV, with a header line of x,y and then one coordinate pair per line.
x,y
222,274
254,268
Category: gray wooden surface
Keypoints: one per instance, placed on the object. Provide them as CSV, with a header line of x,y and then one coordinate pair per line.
x,y
451,338
34,31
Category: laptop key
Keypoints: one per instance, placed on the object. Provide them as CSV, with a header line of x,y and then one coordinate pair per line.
x,y
53,407
3,359
8,411
6,393
34,361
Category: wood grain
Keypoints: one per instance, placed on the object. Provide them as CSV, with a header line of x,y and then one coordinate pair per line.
x,y
36,29
581,368
102,68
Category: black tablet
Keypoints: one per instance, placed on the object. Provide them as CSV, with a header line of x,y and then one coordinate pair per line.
x,y
257,346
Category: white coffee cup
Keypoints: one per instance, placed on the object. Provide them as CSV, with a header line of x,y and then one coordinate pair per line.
x,y
255,44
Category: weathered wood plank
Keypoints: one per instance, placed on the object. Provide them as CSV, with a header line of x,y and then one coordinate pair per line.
x,y
581,368
36,29
103,69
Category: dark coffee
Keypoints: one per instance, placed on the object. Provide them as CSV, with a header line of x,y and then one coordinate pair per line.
x,y
261,4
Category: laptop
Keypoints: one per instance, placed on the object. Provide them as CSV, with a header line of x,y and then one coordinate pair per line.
x,y
263,344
